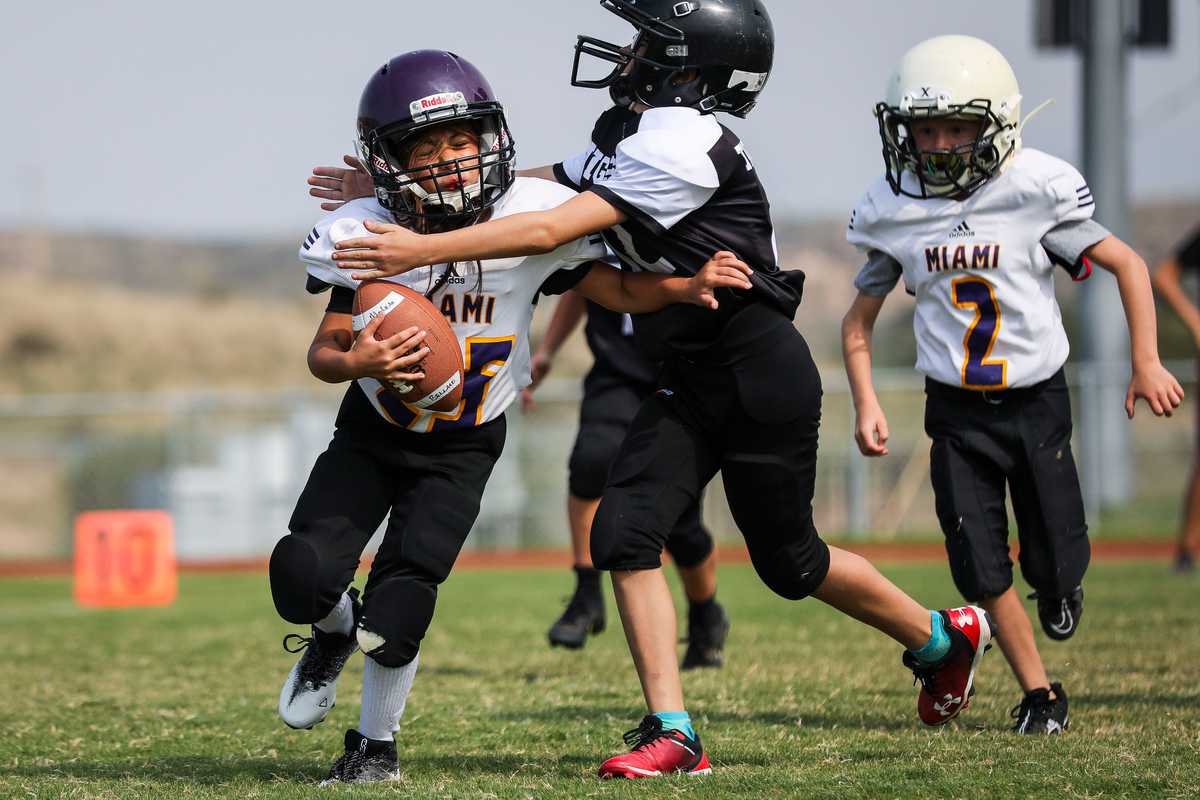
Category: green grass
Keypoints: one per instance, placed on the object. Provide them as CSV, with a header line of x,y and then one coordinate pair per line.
x,y
180,703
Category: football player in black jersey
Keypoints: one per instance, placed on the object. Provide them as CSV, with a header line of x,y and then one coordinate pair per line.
x,y
668,186
618,382
1167,281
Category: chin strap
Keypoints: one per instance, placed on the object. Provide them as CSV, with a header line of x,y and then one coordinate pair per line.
x,y
1033,114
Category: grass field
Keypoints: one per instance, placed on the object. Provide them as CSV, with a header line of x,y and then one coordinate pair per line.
x,y
180,703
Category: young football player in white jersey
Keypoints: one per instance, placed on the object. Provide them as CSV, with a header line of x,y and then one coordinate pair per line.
x,y
974,224
441,157
667,185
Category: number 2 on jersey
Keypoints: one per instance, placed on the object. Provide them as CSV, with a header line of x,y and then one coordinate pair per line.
x,y
979,370
484,358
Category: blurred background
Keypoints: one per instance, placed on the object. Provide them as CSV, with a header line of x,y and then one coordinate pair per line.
x,y
153,322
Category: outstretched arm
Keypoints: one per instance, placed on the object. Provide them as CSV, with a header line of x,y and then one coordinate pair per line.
x,y
546,173
871,428
643,292
1150,381
397,250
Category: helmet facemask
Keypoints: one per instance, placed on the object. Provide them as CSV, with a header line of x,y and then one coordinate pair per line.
x,y
651,70
482,178
954,172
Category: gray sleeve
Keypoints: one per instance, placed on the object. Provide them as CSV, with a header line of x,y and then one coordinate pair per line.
x,y
879,275
1066,243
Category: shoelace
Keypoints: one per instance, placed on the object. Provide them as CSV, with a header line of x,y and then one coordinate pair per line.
x,y
304,642
924,675
350,762
317,666
1031,705
648,732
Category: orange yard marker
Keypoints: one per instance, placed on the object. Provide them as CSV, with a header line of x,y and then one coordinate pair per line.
x,y
124,559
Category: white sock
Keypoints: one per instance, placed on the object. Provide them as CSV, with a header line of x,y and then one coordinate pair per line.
x,y
341,619
385,692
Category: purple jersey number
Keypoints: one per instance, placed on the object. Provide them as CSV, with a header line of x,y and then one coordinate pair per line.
x,y
979,370
484,358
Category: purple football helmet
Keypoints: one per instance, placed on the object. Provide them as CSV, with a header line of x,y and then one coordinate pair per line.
x,y
409,95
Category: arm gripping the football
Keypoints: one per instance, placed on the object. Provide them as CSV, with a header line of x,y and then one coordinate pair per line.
x,y
336,355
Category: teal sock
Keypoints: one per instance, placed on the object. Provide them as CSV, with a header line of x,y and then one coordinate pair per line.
x,y
677,721
939,641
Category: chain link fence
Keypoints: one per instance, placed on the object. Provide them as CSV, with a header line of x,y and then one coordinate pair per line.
x,y
228,466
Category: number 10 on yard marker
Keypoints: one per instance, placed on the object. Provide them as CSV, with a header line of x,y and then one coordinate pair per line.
x,y
124,559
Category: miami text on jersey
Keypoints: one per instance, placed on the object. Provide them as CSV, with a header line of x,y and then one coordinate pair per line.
x,y
469,308
946,257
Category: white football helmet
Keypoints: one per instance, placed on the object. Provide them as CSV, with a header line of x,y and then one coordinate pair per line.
x,y
956,77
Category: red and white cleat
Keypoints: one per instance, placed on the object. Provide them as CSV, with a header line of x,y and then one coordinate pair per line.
x,y
657,752
947,686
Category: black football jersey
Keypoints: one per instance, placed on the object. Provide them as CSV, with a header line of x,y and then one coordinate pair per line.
x,y
610,338
688,190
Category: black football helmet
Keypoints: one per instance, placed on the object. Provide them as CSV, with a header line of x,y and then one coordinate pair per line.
x,y
411,94
731,44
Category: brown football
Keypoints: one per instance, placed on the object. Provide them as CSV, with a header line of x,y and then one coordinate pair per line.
x,y
441,388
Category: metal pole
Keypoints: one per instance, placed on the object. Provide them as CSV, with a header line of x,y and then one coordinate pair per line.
x,y
1105,150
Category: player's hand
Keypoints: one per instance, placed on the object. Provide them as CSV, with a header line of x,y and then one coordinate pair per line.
x,y
723,270
1157,387
394,251
390,359
539,366
338,185
871,432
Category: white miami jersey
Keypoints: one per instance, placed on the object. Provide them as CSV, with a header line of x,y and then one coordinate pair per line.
x,y
986,315
490,314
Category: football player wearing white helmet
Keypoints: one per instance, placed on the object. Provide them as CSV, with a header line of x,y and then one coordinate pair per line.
x,y
974,224
1166,278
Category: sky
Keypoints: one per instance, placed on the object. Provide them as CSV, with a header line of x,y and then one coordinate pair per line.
x,y
201,120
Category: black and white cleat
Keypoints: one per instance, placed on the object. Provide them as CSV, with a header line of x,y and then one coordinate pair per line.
x,y
365,761
310,690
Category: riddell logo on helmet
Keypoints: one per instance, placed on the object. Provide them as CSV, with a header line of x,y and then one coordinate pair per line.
x,y
434,102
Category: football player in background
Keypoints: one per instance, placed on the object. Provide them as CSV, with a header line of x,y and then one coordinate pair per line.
x,y
667,184
1166,279
440,155
620,379
974,225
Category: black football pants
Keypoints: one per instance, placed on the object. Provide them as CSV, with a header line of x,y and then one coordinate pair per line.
x,y
430,484
610,402
697,422
1020,437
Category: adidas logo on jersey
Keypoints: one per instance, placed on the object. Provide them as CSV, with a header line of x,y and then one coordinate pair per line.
x,y
961,231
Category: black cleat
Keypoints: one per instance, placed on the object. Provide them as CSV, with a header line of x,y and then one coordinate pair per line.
x,y
584,614
1060,615
1185,562
310,690
365,761
1038,714
708,625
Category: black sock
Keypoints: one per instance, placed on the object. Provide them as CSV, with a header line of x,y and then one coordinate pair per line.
x,y
704,611
587,580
